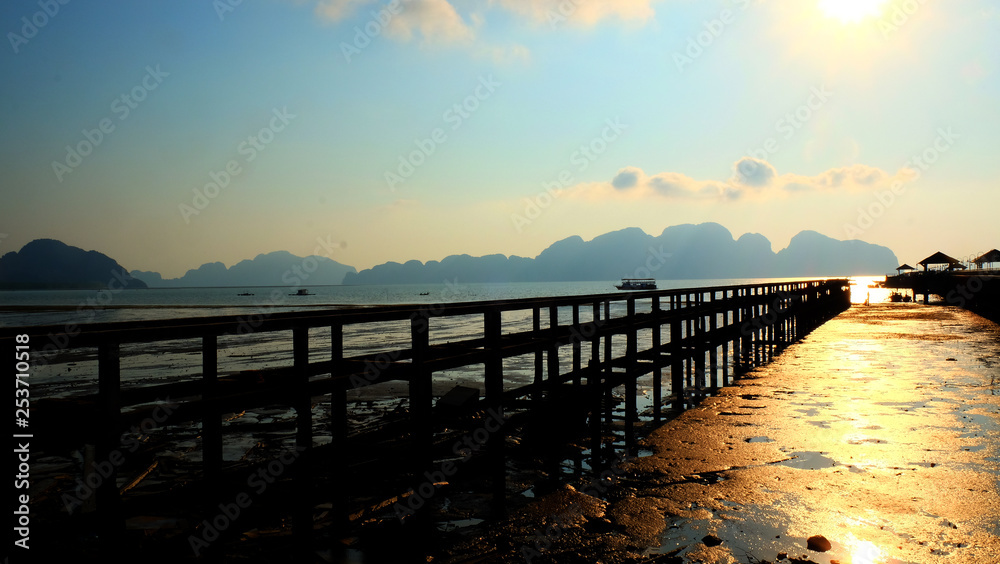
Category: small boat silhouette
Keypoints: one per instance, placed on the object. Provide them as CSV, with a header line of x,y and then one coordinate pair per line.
x,y
637,284
301,292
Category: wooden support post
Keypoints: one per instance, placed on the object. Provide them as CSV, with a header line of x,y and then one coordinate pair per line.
x,y
553,354
338,433
608,370
594,395
302,400
302,522
755,315
211,421
494,400
421,395
577,346
594,391
781,312
658,370
631,377
112,522
676,366
700,349
746,328
771,320
338,399
713,350
536,329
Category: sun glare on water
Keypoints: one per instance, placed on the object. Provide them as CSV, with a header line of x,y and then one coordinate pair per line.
x,y
851,11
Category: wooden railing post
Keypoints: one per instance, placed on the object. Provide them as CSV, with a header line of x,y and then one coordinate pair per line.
x,y
631,376
211,421
536,329
496,448
302,522
421,394
577,345
112,523
302,400
676,365
552,355
657,369
338,431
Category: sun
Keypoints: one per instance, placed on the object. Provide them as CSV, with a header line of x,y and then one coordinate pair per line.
x,y
851,11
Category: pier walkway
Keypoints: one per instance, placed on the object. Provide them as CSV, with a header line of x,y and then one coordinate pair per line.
x,y
584,348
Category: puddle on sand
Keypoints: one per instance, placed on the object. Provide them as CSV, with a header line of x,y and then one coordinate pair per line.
x,y
759,440
448,526
761,533
808,461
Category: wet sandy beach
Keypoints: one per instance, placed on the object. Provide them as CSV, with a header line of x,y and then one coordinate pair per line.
x,y
879,432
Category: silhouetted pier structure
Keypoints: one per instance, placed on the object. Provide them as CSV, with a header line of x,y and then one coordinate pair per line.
x,y
701,338
973,286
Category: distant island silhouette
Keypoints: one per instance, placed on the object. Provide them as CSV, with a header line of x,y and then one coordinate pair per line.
x,y
51,264
280,268
680,252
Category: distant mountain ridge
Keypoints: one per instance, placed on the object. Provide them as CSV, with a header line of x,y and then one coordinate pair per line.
x,y
704,251
51,264
279,268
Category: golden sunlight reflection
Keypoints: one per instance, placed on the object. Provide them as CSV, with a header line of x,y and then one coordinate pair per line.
x,y
851,11
868,288
865,552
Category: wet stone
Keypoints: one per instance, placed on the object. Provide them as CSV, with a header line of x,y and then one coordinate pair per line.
x,y
818,543
711,540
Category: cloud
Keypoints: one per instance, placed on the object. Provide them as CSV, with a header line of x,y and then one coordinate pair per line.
x,y
505,55
337,10
626,178
436,21
753,172
579,12
752,179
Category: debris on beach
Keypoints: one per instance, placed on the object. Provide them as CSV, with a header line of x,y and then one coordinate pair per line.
x,y
818,543
711,540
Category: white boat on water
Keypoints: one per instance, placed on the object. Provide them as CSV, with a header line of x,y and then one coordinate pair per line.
x,y
637,284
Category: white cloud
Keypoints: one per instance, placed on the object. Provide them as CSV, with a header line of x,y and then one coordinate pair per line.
x,y
752,179
436,21
580,12
337,10
749,171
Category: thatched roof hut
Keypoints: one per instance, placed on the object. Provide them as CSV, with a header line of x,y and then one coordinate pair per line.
x,y
991,257
940,258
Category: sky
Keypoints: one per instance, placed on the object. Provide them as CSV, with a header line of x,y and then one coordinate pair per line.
x,y
168,134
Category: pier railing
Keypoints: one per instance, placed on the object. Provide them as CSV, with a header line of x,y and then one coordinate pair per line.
x,y
701,337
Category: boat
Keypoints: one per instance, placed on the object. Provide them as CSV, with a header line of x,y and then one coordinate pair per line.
x,y
637,284
301,292
244,294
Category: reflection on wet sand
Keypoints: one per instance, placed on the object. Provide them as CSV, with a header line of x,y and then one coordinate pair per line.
x,y
880,431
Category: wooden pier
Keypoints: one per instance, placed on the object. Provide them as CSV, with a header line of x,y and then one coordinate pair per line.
x,y
975,290
583,347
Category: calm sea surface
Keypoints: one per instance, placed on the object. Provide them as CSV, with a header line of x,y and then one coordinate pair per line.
x,y
50,307
71,371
